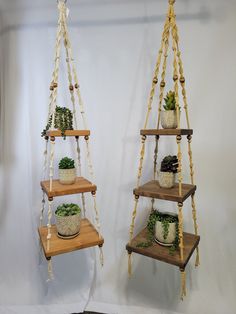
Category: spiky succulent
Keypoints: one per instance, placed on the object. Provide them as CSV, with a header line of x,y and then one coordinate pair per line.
x,y
169,164
170,102
66,163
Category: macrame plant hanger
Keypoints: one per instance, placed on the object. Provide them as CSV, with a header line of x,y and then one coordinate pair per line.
x,y
181,257
89,235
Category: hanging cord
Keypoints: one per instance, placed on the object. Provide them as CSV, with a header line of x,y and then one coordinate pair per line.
x,y
142,151
80,174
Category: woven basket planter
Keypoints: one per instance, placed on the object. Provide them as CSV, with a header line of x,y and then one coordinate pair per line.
x,y
169,119
68,226
67,176
167,179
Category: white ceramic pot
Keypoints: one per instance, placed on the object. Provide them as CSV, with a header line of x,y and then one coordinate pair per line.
x,y
159,234
169,119
68,226
67,176
167,179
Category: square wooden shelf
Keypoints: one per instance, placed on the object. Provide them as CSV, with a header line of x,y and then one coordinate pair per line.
x,y
57,133
88,237
162,253
80,186
166,132
153,189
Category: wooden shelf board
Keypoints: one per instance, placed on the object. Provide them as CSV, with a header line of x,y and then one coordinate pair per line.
x,y
153,189
57,133
80,186
166,132
88,237
162,253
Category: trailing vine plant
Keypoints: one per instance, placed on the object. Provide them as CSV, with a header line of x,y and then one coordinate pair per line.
x,y
63,121
165,220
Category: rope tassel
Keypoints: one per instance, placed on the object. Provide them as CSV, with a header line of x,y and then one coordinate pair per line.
x,y
101,256
129,265
183,284
50,271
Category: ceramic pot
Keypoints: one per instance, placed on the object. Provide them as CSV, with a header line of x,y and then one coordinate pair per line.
x,y
159,234
67,176
167,179
68,226
169,119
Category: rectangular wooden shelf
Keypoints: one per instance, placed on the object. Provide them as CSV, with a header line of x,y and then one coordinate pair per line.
x,y
57,133
80,186
167,132
153,189
162,253
88,237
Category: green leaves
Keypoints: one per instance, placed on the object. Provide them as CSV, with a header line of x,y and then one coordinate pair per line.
x,y
65,210
165,220
169,164
66,163
170,102
63,121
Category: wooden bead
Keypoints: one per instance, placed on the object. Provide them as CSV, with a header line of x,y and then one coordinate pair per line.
x,y
55,84
144,137
163,84
93,193
155,80
86,137
46,138
76,85
71,87
182,79
52,138
175,77
189,137
178,137
51,87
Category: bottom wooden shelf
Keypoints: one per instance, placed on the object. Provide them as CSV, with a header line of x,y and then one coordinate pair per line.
x,y
88,237
162,253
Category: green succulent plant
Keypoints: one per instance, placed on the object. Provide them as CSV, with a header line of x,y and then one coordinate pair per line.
x,y
66,163
169,164
63,121
65,210
165,220
170,101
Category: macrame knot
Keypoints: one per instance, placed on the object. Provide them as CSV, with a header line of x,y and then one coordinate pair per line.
x,y
171,2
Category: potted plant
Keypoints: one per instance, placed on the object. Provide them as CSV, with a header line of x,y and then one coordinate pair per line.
x,y
169,116
162,228
67,171
68,218
63,121
169,167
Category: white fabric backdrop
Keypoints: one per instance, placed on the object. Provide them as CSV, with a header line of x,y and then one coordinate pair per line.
x,y
116,43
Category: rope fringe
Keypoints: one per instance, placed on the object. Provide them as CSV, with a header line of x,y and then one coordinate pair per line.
x,y
101,256
50,271
183,285
129,265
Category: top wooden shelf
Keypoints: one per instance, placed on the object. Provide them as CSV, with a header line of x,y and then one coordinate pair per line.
x,y
153,189
57,133
166,132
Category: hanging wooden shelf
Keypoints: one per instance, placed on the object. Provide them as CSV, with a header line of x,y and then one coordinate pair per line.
x,y
80,186
88,237
57,133
162,253
153,189
166,132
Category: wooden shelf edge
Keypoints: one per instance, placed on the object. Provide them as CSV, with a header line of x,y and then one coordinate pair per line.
x,y
57,133
167,132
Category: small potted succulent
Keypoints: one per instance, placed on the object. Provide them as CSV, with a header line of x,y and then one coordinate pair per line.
x,y
68,218
63,121
169,116
169,167
67,171
162,228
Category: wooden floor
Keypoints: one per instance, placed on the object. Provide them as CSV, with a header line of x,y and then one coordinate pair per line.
x,y
88,237
162,253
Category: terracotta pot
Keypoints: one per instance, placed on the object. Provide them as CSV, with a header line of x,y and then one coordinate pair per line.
x,y
67,176
169,119
167,179
68,226
159,234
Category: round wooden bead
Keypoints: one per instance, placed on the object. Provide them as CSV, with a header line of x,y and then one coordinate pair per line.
x,y
51,87
144,137
86,137
178,137
55,85
163,84
155,80
182,79
71,87
76,85
175,77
